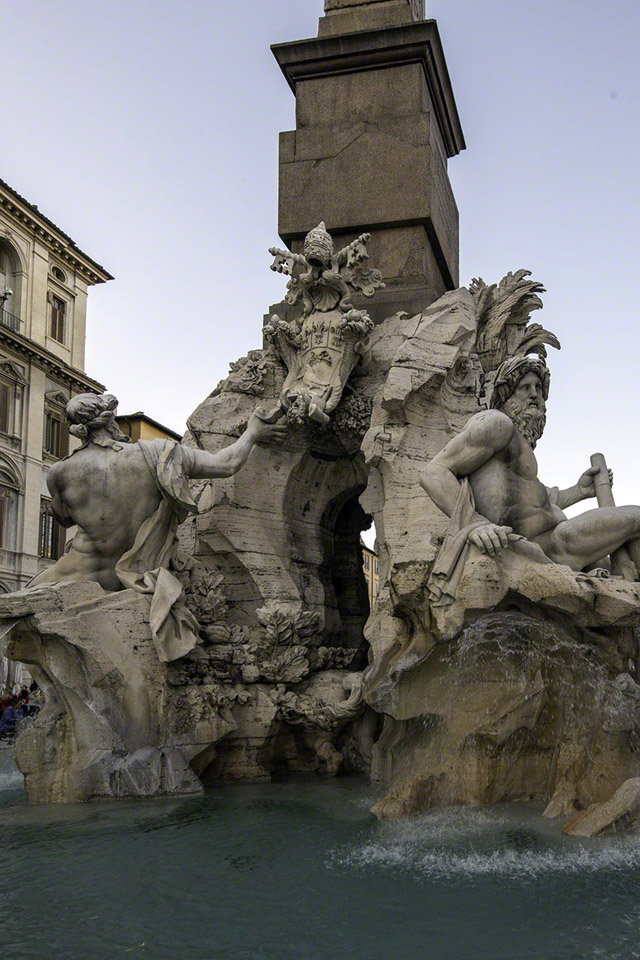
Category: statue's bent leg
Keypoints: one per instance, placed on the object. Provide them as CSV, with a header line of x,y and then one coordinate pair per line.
x,y
582,541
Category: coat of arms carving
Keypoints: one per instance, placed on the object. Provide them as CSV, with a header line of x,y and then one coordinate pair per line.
x,y
321,348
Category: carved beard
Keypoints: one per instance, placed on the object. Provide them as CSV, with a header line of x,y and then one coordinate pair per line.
x,y
529,418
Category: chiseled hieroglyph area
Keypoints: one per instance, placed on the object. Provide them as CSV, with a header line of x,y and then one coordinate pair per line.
x,y
499,662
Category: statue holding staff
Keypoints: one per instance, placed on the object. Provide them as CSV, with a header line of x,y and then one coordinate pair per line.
x,y
486,480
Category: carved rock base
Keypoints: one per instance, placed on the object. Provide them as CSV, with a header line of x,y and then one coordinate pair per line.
x,y
518,706
111,727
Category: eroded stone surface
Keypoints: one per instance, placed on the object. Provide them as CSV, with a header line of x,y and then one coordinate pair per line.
x,y
619,812
491,694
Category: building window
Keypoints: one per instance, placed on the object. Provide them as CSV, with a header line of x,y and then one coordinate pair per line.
x,y
9,490
56,434
366,561
58,317
52,534
6,503
12,384
377,568
9,287
5,407
58,274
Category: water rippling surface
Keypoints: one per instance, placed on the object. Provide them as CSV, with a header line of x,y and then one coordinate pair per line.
x,y
301,871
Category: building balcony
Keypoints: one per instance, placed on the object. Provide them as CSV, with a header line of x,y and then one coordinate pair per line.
x,y
9,320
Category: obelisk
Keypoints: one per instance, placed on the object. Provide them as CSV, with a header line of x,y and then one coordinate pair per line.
x,y
376,124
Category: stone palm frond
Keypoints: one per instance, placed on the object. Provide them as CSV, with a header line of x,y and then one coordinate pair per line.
x,y
503,311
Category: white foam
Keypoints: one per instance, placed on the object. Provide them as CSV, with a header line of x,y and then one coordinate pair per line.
x,y
473,843
10,780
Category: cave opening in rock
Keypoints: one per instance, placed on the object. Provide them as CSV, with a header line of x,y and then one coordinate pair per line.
x,y
347,590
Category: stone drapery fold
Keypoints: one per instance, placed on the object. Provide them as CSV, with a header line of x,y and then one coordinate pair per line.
x,y
145,567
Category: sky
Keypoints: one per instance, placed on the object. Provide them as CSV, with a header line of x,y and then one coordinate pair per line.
x,y
148,131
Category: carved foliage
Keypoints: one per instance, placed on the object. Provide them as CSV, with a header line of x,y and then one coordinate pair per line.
x,y
503,311
279,651
353,415
314,712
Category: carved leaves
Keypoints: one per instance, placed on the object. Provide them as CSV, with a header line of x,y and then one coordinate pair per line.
x,y
503,311
313,712
280,651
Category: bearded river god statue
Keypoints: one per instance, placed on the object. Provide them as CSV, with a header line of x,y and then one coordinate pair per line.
x,y
486,481
504,664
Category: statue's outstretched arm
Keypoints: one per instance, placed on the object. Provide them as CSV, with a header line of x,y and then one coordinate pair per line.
x,y
201,465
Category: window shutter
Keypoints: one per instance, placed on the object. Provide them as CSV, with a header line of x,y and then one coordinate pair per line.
x,y
5,407
64,440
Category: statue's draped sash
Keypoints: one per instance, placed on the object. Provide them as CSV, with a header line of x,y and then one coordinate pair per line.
x,y
146,566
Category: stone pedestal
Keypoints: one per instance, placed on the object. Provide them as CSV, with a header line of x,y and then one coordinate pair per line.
x,y
376,123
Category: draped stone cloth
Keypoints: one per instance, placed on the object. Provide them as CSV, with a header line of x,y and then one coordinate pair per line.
x,y
145,567
449,565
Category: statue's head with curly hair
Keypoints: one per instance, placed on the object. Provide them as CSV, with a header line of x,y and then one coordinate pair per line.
x,y
91,418
520,390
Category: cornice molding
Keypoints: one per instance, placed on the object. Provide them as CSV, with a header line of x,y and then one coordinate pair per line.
x,y
49,362
45,230
376,49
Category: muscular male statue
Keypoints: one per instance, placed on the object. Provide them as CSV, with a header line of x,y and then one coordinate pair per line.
x,y
127,500
495,452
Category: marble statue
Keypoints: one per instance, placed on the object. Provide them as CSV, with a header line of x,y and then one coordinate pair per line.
x,y
127,500
321,349
486,480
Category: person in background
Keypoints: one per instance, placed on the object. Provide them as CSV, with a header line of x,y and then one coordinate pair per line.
x,y
9,718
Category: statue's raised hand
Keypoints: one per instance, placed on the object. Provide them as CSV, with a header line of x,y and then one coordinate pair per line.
x,y
586,483
491,538
263,426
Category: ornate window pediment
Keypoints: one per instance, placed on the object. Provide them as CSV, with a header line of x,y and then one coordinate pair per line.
x,y
9,474
13,372
57,398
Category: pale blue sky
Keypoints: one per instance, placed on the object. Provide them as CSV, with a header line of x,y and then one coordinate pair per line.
x,y
149,132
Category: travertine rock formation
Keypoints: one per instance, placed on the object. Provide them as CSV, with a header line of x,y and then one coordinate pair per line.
x,y
521,686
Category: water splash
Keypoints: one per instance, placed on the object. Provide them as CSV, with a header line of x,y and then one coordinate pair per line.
x,y
458,843
10,778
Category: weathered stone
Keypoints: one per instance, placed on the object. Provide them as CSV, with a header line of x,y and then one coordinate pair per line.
x,y
415,796
345,16
563,801
619,812
380,95
110,725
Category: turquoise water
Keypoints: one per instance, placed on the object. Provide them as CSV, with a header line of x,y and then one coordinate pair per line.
x,y
301,870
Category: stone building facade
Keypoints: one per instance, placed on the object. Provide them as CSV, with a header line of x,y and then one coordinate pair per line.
x,y
138,426
44,280
371,569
